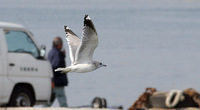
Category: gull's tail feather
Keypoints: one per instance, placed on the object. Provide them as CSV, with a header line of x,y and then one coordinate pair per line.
x,y
63,70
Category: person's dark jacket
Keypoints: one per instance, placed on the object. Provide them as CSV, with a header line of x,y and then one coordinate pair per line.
x,y
57,60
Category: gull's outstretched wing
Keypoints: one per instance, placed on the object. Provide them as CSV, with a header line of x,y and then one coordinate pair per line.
x,y
88,43
73,42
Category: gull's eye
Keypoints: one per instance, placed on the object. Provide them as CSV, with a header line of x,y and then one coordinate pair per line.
x,y
100,63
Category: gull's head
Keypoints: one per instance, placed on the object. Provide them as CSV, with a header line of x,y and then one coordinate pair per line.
x,y
99,64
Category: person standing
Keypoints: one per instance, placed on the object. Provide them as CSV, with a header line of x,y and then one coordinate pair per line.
x,y
57,59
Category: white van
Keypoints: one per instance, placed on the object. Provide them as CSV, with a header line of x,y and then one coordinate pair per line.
x,y
25,74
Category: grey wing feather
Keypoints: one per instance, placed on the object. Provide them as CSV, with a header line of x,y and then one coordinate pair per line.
x,y
88,43
73,42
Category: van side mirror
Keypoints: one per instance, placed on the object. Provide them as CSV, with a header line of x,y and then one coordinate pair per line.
x,y
42,51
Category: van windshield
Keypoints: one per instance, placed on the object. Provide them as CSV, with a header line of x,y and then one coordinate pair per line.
x,y
19,41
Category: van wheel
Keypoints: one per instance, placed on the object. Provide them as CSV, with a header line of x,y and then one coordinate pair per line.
x,y
21,97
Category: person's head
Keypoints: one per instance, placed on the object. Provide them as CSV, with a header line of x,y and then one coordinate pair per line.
x,y
57,43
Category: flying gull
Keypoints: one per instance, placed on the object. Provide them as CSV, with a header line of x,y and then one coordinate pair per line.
x,y
81,50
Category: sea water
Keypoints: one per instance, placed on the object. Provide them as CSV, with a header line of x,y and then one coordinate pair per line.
x,y
144,43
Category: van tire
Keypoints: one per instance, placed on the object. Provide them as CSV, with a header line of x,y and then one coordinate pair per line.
x,y
21,97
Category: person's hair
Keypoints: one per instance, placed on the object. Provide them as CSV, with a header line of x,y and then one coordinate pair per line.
x,y
57,41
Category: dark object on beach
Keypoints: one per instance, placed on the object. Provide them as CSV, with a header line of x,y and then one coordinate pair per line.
x,y
99,103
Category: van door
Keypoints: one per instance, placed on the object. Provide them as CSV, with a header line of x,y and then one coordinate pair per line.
x,y
25,64
22,54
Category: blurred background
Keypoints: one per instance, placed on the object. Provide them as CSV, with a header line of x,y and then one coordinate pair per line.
x,y
144,43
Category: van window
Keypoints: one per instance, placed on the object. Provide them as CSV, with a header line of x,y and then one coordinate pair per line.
x,y
20,42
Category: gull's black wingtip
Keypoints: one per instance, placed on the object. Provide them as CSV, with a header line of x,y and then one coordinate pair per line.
x,y
87,17
69,31
66,27
88,22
